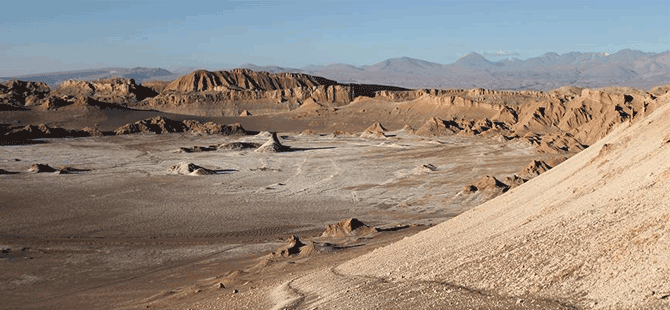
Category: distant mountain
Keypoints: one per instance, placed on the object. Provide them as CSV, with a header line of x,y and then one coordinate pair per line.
x,y
269,69
403,65
548,71
332,67
476,61
139,74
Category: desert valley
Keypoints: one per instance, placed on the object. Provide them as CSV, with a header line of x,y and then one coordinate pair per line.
x,y
250,189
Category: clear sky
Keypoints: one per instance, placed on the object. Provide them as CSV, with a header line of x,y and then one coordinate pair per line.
x,y
43,36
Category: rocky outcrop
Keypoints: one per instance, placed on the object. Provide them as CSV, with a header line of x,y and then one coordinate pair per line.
x,y
435,127
566,120
347,228
535,168
293,247
17,93
474,95
375,130
506,115
229,93
40,168
43,131
112,92
487,183
156,125
244,79
161,124
408,95
211,128
232,102
273,145
185,168
120,91
572,122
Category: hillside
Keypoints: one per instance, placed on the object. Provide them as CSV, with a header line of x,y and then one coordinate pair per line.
x,y
591,233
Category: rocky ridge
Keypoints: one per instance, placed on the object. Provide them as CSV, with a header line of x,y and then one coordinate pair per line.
x,y
160,124
564,120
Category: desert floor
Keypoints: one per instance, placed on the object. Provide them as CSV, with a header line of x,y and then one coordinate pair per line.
x,y
124,233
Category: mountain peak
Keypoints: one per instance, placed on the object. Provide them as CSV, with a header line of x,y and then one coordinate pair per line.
x,y
403,64
475,60
550,55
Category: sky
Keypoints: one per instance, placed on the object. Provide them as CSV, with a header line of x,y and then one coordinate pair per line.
x,y
48,36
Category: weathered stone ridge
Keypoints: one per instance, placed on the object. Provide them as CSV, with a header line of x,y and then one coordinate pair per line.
x,y
244,79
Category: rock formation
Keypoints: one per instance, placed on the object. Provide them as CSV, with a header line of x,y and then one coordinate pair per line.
x,y
488,184
161,124
189,169
433,127
227,92
43,131
347,228
40,168
111,92
15,93
294,247
565,120
375,130
535,168
243,79
273,145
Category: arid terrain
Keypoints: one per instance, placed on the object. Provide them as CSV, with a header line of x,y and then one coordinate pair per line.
x,y
245,189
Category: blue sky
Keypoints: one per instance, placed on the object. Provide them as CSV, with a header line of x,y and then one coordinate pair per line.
x,y
43,36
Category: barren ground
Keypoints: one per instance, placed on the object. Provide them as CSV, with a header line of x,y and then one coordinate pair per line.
x,y
126,233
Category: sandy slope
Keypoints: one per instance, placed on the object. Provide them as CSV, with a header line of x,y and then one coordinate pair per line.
x,y
592,232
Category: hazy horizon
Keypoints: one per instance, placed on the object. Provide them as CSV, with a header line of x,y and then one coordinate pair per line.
x,y
182,68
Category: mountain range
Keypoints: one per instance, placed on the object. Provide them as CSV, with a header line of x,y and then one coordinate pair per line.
x,y
548,71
